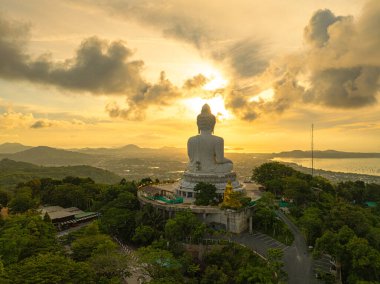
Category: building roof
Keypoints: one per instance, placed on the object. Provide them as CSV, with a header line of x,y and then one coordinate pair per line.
x,y
49,209
85,214
58,212
74,210
370,203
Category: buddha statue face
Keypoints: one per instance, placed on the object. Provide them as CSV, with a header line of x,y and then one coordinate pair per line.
x,y
206,120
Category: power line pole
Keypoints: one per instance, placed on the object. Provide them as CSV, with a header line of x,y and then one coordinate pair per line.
x,y
312,149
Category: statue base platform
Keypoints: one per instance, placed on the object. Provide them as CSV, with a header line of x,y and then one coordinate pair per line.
x,y
220,180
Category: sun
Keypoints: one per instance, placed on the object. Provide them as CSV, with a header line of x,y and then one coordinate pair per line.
x,y
216,104
216,81
215,78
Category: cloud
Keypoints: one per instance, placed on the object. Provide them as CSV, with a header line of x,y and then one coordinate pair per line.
x,y
97,67
173,18
210,34
345,87
348,72
339,67
316,32
195,82
160,94
41,124
245,57
11,120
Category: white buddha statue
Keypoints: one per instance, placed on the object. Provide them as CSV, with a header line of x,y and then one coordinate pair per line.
x,y
206,151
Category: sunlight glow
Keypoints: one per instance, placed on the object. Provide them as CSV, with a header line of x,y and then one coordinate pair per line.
x,y
216,104
265,96
216,82
216,79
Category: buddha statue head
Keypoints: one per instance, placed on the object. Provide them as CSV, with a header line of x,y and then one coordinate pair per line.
x,y
206,120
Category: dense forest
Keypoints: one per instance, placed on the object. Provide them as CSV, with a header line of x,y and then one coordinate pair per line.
x,y
335,220
341,220
31,252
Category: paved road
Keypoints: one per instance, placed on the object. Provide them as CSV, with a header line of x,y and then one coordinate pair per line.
x,y
137,274
298,262
297,259
258,242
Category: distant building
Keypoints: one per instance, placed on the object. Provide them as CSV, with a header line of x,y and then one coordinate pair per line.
x,y
370,204
66,217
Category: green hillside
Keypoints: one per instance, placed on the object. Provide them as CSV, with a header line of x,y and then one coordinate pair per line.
x,y
47,156
12,173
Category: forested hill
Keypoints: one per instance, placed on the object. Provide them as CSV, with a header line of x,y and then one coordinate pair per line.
x,y
332,154
10,148
47,156
12,173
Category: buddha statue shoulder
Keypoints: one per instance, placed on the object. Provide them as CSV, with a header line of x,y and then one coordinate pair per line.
x,y
205,150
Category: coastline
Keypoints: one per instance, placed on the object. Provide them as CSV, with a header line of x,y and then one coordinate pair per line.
x,y
335,176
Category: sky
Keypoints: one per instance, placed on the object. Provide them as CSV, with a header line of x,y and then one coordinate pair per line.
x,y
97,73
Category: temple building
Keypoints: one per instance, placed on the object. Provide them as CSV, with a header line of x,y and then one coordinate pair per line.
x,y
207,164
206,160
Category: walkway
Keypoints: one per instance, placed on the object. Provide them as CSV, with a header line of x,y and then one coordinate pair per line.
x,y
297,259
137,274
258,242
298,262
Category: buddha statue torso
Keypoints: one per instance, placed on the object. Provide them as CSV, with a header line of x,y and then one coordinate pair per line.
x,y
206,151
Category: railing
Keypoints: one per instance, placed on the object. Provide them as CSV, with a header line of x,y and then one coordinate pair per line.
x,y
210,241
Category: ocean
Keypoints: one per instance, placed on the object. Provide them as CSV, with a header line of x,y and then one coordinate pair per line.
x,y
367,166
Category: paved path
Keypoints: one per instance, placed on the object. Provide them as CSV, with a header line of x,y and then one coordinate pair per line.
x,y
137,274
297,259
258,242
298,262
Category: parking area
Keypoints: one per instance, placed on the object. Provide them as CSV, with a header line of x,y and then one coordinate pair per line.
x,y
324,264
259,242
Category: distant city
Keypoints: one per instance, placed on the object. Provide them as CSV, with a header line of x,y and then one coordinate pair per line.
x,y
168,163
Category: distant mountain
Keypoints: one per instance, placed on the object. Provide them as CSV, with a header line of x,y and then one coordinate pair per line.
x,y
48,156
131,147
332,154
10,148
12,173
134,151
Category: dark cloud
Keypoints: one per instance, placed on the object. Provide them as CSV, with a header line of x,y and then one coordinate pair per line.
x,y
40,124
340,67
245,57
98,66
175,19
340,74
316,32
160,94
345,87
13,36
238,101
197,81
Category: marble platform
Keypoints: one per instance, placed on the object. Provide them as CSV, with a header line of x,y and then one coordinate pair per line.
x,y
189,180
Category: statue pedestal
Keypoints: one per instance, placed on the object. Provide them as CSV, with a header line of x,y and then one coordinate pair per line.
x,y
220,180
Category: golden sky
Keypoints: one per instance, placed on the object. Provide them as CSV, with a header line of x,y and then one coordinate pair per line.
x,y
104,73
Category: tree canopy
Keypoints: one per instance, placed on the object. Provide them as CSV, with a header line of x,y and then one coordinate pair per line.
x,y
206,194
